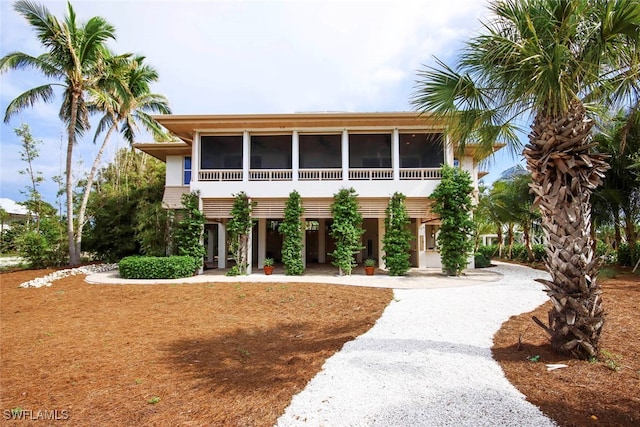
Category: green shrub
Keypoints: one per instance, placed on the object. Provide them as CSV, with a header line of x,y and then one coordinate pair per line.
x,y
539,252
488,251
481,261
627,254
519,252
143,267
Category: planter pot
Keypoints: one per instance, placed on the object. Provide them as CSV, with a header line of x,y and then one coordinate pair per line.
x,y
369,270
268,270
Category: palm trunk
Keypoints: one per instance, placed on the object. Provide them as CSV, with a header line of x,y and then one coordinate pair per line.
x,y
74,255
564,174
527,240
87,188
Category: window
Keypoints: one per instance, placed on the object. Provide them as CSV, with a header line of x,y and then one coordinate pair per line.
x,y
270,152
186,176
221,152
370,151
320,151
421,150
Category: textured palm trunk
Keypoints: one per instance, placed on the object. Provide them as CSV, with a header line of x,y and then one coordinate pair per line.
x,y
564,174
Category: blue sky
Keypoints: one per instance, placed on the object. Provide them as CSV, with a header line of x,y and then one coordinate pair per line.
x,y
229,57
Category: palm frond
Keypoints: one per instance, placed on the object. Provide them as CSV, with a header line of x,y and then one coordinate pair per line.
x,y
43,93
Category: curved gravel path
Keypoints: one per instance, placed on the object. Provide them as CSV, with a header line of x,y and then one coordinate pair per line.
x,y
427,362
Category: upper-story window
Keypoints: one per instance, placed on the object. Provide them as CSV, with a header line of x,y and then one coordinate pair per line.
x,y
421,150
320,151
221,152
186,175
270,152
370,151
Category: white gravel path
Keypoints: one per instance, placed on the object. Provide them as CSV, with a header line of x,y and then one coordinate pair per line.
x,y
427,362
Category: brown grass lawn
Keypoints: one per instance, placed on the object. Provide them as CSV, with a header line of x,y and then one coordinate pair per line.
x,y
235,354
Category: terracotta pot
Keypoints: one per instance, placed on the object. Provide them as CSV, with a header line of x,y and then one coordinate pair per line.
x,y
369,270
268,269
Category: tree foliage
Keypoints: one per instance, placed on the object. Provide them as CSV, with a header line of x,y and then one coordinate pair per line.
x,y
126,193
239,227
292,231
346,230
452,201
397,236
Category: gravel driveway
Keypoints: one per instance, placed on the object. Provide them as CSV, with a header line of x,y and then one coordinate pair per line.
x,y
427,362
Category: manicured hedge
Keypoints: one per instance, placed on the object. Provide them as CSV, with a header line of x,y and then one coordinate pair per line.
x,y
146,267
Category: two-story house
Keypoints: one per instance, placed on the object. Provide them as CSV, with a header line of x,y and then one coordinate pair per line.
x,y
269,155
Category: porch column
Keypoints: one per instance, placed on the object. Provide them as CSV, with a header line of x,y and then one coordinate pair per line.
x,y
222,246
262,241
195,159
250,251
345,155
381,230
304,242
246,155
322,243
295,155
209,245
395,154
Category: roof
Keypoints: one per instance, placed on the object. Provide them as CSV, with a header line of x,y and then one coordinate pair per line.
x,y
185,126
12,207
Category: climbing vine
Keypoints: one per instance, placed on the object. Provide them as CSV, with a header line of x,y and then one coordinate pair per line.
x,y
397,236
291,230
346,230
239,228
190,228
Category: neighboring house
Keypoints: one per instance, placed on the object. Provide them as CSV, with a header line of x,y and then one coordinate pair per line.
x,y
14,213
269,155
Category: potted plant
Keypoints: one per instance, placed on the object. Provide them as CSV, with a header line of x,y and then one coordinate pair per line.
x,y
268,266
369,266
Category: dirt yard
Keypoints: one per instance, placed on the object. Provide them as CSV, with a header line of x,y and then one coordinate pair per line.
x,y
598,393
234,354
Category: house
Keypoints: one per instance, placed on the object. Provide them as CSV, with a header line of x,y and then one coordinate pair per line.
x,y
13,212
269,155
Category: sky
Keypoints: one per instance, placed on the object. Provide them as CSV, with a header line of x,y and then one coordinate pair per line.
x,y
235,57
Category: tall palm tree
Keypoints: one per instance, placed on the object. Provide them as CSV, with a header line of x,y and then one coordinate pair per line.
x,y
125,98
553,61
73,61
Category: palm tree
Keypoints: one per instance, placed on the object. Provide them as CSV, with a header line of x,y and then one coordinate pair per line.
x,y
125,98
554,61
74,61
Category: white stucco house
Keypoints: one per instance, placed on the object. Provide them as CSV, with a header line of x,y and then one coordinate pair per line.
x,y
269,155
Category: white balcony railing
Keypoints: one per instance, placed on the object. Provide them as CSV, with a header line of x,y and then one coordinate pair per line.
x,y
221,175
320,174
420,174
270,175
370,174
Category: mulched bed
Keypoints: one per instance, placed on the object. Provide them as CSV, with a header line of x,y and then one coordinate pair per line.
x,y
203,354
601,393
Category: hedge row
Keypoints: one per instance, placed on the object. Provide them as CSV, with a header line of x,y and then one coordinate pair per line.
x,y
146,267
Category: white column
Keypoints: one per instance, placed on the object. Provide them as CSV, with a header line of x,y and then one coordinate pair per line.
x,y
304,242
295,155
395,154
322,244
246,155
448,151
345,155
209,245
250,251
222,246
262,241
195,158
381,230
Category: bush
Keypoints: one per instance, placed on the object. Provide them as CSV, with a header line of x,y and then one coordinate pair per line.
x,y
628,255
539,252
481,261
488,251
143,267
